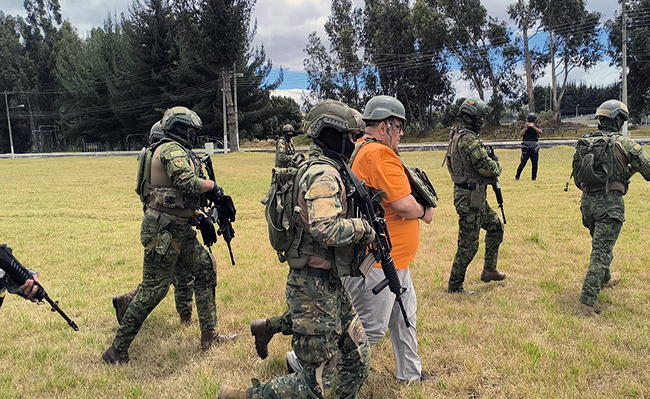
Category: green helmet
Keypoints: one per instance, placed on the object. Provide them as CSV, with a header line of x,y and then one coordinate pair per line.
x,y
613,109
330,113
287,128
156,133
384,107
472,112
182,115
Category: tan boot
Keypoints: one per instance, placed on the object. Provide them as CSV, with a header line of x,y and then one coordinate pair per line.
x,y
211,337
613,280
261,330
225,392
121,303
492,275
587,311
115,356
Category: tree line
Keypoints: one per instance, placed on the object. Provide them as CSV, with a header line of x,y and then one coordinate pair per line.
x,y
113,84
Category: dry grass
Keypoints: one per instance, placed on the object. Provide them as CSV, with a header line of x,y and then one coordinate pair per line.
x,y
76,221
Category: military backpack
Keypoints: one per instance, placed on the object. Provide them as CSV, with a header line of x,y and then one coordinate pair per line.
x,y
594,162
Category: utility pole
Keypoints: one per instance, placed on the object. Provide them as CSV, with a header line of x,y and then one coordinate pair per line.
x,y
236,75
223,95
624,64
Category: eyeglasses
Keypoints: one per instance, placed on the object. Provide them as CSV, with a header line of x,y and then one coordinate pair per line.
x,y
395,126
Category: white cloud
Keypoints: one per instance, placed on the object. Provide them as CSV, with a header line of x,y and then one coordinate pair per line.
x,y
600,75
296,94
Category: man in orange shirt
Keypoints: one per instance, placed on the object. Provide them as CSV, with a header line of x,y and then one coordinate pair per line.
x,y
377,163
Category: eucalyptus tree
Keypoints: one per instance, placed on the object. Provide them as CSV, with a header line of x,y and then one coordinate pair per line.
x,y
527,19
405,45
572,42
485,51
638,54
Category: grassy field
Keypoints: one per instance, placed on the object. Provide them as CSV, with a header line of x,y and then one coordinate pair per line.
x,y
76,221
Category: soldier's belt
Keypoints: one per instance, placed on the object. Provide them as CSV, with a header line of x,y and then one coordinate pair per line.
x,y
319,273
467,186
604,193
164,218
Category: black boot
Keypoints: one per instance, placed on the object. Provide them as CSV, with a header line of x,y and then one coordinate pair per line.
x,y
121,303
115,356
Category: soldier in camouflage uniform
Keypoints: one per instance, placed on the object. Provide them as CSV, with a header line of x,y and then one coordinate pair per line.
x,y
473,168
603,207
328,337
170,182
284,148
183,281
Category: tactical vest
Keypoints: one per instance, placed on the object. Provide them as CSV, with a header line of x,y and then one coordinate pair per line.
x,y
156,189
421,187
290,152
345,261
460,168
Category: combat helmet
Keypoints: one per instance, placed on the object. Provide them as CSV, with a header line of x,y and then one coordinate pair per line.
x,y
156,133
175,122
614,111
332,117
288,128
384,107
472,113
532,117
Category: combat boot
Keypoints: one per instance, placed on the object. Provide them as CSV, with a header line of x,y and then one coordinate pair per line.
x,y
492,275
211,337
261,330
460,291
186,320
225,392
115,356
587,311
121,303
613,280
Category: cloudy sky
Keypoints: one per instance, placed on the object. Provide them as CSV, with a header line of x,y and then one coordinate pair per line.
x,y
283,27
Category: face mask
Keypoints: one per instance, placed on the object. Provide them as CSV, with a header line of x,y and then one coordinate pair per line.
x,y
348,148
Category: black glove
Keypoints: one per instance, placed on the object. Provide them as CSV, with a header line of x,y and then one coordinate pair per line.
x,y
216,194
491,154
207,230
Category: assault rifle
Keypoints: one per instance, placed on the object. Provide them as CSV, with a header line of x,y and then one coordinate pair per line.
x,y
497,192
20,275
495,185
382,246
222,211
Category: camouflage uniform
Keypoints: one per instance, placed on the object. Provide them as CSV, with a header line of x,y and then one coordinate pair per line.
x,y
472,170
284,152
171,247
603,213
328,337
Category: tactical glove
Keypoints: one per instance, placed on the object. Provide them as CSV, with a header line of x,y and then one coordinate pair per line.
x,y
491,154
216,194
208,232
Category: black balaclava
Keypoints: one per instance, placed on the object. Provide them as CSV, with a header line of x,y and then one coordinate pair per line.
x,y
336,141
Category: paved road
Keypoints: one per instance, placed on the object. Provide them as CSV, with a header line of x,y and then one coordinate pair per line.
x,y
402,147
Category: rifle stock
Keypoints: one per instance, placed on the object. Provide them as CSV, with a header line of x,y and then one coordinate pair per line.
x,y
20,275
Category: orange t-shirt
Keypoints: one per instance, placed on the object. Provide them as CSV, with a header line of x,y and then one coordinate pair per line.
x,y
379,166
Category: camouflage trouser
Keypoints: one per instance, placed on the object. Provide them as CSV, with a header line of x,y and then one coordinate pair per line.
x,y
161,263
282,324
603,215
474,214
328,339
183,292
